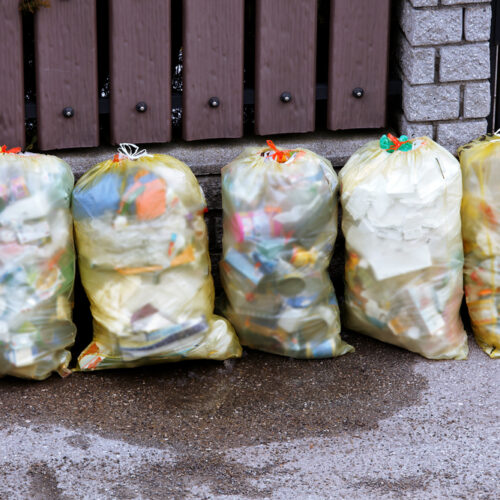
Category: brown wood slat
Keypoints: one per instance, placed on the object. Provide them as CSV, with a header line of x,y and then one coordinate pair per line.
x,y
66,71
359,44
140,70
285,61
213,67
11,75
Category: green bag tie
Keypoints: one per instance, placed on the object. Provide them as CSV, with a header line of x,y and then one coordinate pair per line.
x,y
391,143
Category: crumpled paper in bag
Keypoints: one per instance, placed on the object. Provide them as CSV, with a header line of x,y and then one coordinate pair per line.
x,y
143,257
280,225
37,265
404,255
480,161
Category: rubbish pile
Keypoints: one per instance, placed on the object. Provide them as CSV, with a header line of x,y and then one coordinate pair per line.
x,y
480,160
280,225
404,256
143,255
143,259
37,265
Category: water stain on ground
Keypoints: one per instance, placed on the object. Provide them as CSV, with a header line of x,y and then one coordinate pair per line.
x,y
201,409
204,406
43,482
218,475
79,441
402,486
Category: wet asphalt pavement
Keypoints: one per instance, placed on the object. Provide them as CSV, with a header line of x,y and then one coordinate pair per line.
x,y
379,423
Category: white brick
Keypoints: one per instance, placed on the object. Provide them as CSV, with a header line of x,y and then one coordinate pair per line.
x,y
454,2
477,100
424,3
477,25
417,64
414,129
431,27
431,102
453,135
464,62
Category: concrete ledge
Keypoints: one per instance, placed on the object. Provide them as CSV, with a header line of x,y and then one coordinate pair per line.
x,y
208,157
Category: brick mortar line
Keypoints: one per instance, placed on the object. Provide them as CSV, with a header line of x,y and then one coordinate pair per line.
x,y
461,43
434,129
441,7
463,24
437,63
454,82
450,121
461,104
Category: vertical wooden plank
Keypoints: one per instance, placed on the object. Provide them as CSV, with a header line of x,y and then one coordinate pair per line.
x,y
11,75
285,66
213,68
359,45
140,71
66,72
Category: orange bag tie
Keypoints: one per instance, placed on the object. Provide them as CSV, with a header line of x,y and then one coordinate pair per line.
x,y
396,143
279,155
4,149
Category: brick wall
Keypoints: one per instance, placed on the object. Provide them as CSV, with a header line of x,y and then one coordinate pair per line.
x,y
444,62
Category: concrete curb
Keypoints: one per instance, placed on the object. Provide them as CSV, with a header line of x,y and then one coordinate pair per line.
x,y
208,157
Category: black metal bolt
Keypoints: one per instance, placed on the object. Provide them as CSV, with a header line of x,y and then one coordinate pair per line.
x,y
68,112
141,107
214,102
358,92
286,97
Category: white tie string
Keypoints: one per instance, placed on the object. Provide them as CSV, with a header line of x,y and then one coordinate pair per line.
x,y
131,151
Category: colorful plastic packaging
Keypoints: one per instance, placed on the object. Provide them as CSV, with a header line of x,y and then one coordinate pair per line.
x,y
280,224
37,265
480,161
404,255
143,258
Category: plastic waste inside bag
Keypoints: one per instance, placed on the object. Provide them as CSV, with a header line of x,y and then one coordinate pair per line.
x,y
280,224
480,161
37,265
404,255
143,258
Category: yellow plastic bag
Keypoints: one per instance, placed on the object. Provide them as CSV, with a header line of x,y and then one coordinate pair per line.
x,y
280,225
404,255
143,257
37,265
480,161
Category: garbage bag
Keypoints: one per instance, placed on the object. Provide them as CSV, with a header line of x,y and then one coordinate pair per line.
x,y
480,161
37,265
404,256
280,225
143,258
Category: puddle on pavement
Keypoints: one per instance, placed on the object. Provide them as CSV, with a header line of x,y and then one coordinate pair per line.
x,y
214,406
203,408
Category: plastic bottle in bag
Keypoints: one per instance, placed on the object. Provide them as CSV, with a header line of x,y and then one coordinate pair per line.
x,y
280,225
404,255
37,265
480,161
143,258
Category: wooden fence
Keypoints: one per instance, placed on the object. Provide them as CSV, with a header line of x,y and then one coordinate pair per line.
x,y
213,34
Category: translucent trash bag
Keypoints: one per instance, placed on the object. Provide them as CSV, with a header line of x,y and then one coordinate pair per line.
x,y
480,161
37,265
404,256
280,225
143,258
